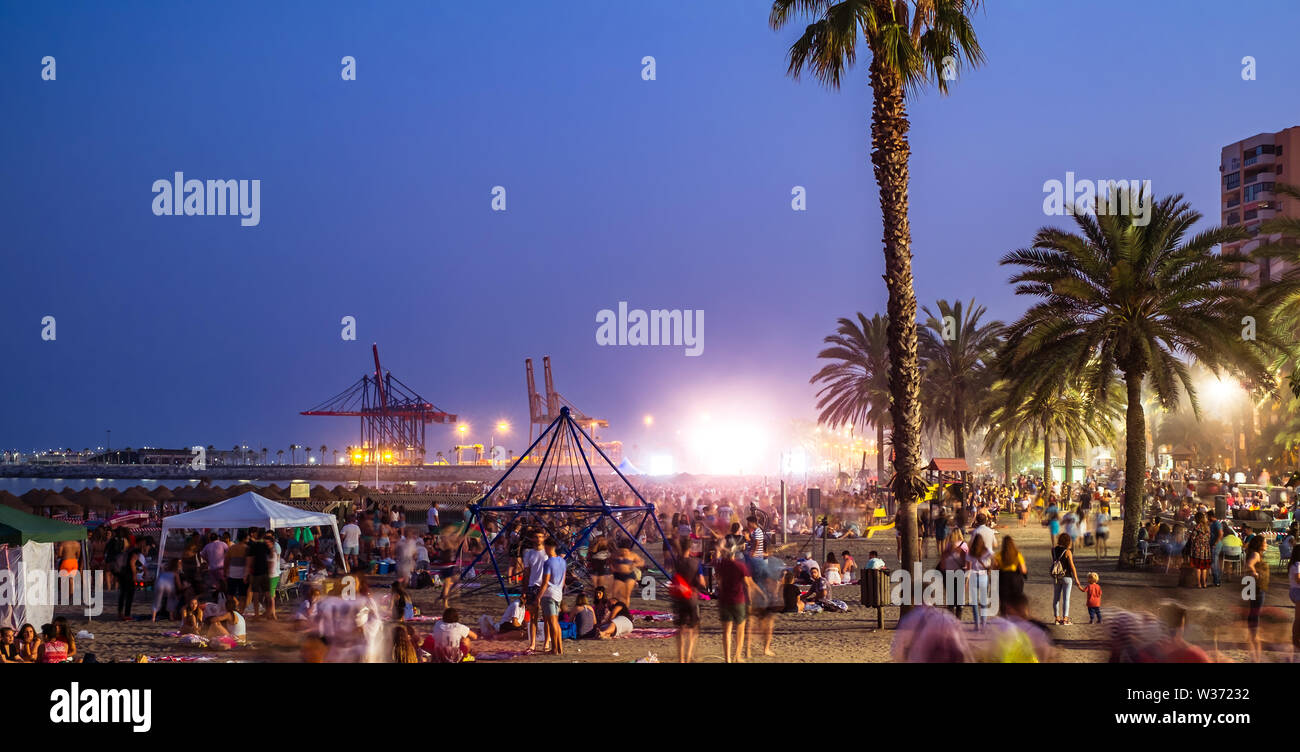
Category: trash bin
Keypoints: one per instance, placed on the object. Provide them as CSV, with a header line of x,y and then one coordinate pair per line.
x,y
875,592
875,588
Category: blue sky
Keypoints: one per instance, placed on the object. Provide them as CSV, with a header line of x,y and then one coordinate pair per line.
x,y
672,193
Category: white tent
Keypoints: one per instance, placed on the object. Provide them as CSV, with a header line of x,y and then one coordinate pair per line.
x,y
16,608
250,510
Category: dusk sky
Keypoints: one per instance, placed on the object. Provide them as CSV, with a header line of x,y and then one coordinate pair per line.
x,y
673,193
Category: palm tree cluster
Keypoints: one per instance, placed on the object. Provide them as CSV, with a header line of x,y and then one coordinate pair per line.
x,y
1120,299
1119,308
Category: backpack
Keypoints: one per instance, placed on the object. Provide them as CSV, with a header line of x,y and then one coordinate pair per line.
x,y
1058,567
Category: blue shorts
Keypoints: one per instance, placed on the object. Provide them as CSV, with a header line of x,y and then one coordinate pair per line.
x,y
550,607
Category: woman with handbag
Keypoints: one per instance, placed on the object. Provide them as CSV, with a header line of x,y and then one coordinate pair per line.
x,y
1064,577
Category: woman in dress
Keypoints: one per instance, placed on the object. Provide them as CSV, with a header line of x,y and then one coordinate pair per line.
x,y
1202,549
1010,564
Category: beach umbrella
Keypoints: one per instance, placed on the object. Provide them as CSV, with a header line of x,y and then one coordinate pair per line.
x,y
129,519
203,495
33,497
68,492
321,493
134,498
9,500
340,492
241,489
57,501
92,499
162,493
271,492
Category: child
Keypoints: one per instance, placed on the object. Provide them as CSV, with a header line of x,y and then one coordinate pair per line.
x,y
1094,596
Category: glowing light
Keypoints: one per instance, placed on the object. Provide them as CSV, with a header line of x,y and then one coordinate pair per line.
x,y
463,428
661,464
503,427
649,420
727,447
1219,392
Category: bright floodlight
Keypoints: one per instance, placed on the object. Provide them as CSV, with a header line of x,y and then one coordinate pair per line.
x,y
649,420
661,464
503,426
463,428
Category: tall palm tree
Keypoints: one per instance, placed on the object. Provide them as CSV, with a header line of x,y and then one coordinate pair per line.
x,y
323,449
279,456
306,460
956,350
293,458
911,43
264,452
1135,299
855,387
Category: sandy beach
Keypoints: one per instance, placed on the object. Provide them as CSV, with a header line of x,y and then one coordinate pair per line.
x,y
798,638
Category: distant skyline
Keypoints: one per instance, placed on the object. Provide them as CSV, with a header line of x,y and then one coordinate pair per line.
x,y
667,194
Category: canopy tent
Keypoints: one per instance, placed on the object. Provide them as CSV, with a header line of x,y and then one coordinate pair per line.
x,y
627,468
27,543
249,510
17,528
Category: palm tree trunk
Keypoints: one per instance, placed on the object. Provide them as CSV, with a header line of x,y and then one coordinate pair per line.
x,y
1007,462
958,435
1047,462
889,157
1134,467
880,451
1068,475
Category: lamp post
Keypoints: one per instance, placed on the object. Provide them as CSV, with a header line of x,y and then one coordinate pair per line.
x,y
503,428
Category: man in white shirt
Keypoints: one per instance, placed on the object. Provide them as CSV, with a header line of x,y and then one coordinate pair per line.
x,y
351,535
431,518
215,554
450,640
983,530
534,558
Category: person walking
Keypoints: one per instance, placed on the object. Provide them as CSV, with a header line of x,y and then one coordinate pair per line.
x,y
980,560
1218,531
1293,579
1064,577
734,584
1255,581
1101,530
1010,565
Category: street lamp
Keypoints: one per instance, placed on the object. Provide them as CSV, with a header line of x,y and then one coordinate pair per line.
x,y
503,428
